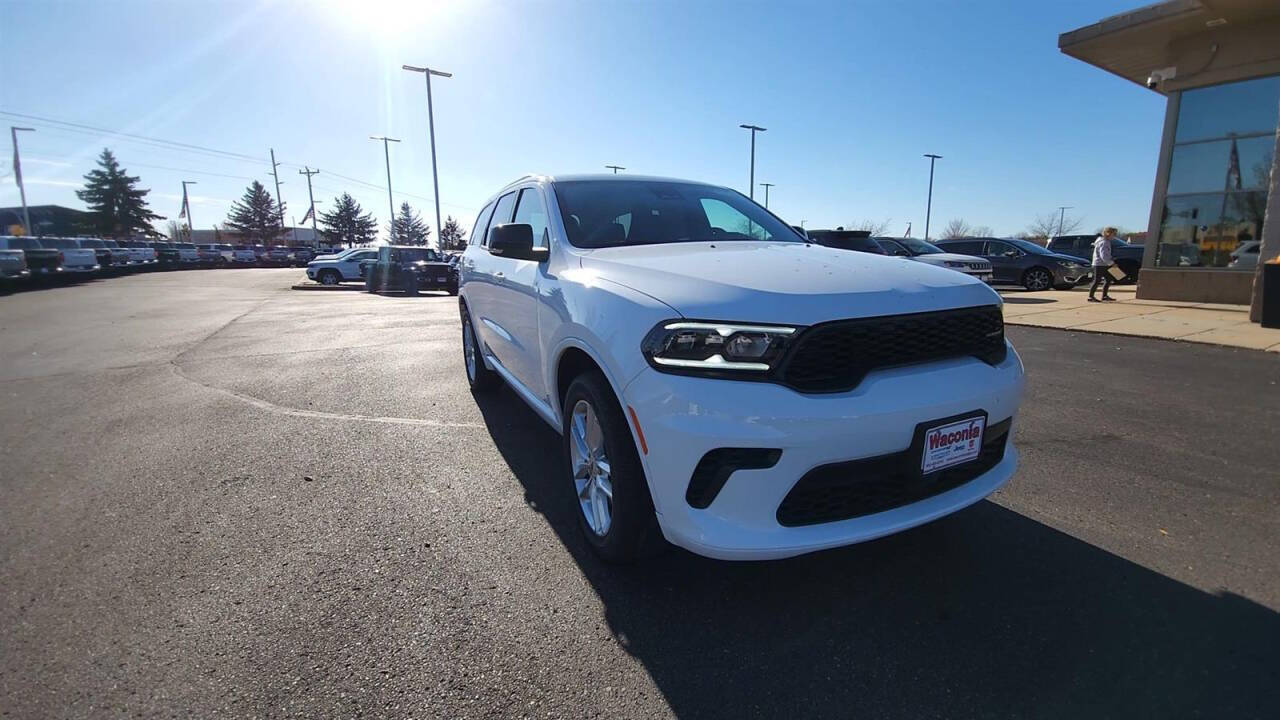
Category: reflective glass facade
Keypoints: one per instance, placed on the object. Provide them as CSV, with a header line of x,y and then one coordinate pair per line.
x,y
1219,172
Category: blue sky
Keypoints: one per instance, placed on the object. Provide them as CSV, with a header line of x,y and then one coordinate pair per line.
x,y
852,95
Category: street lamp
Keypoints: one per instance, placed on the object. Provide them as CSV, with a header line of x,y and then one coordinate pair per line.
x,y
17,173
766,187
1062,214
929,207
186,205
431,125
387,153
615,168
751,185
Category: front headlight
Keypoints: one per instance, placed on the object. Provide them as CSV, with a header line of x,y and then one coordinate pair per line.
x,y
955,264
710,348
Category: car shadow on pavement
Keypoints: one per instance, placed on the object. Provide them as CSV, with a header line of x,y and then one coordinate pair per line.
x,y
1028,300
984,613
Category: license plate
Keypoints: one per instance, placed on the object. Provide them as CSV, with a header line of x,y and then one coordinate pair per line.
x,y
952,444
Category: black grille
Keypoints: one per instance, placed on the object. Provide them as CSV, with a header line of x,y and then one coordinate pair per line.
x,y
840,491
835,356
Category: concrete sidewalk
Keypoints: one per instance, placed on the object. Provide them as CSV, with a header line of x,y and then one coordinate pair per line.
x,y
1193,322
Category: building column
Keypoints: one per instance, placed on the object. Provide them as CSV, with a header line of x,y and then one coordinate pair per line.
x,y
1158,193
1269,248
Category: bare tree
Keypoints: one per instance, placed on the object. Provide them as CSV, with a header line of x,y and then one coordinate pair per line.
x,y
871,226
982,231
1047,225
957,228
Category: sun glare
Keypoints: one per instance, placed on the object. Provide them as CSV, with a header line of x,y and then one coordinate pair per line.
x,y
389,18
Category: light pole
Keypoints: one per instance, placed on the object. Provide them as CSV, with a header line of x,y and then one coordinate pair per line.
x,y
929,207
615,168
17,174
1062,214
387,153
186,205
751,185
766,187
431,125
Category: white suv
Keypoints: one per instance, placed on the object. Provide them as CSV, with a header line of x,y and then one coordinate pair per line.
x,y
721,382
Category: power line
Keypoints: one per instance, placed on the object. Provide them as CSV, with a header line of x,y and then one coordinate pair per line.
x,y
116,133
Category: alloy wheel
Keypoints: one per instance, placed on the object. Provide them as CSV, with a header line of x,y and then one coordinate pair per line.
x,y
1038,279
591,468
469,349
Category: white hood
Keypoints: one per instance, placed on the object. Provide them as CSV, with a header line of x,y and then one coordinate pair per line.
x,y
783,282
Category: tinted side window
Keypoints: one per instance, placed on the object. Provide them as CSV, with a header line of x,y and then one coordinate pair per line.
x,y
482,222
963,247
501,213
533,212
995,248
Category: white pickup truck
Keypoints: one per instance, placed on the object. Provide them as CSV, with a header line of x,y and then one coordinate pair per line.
x,y
75,259
140,253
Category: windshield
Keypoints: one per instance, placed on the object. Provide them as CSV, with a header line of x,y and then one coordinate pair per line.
x,y
609,213
1030,247
415,255
91,244
24,243
919,247
60,243
185,246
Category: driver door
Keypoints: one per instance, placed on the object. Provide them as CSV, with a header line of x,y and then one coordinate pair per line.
x,y
1006,261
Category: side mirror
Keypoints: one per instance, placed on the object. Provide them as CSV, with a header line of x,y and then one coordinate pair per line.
x,y
515,241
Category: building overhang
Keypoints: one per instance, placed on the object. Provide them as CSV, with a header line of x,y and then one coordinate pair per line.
x,y
1208,41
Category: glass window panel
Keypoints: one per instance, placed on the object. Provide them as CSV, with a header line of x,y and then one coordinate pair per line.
x,y
1202,230
530,211
1255,163
1207,167
1241,108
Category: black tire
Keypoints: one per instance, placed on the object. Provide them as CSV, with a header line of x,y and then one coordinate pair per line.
x,y
453,288
411,286
479,377
633,533
1036,279
368,284
329,277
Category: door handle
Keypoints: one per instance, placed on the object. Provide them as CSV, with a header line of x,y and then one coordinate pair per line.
x,y
499,274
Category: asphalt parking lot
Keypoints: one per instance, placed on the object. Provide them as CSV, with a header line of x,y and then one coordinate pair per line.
x,y
219,497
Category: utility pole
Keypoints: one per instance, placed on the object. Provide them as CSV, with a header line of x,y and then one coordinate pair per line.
x,y
186,205
1062,214
387,153
279,200
17,174
615,168
751,185
315,234
431,124
766,187
929,207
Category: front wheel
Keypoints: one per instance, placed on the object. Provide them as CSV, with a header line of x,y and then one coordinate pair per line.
x,y
616,511
411,286
329,277
368,284
1037,279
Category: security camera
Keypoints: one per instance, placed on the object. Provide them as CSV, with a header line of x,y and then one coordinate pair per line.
x,y
1161,75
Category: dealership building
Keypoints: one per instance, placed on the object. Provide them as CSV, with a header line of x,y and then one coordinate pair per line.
x,y
1218,64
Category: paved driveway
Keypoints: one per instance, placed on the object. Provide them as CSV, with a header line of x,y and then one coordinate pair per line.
x,y
220,497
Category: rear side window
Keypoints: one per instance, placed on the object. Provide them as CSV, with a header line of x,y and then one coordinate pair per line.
x,y
482,222
533,212
501,213
964,247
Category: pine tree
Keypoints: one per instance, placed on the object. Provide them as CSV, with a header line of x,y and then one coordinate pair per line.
x,y
451,236
348,223
407,228
118,206
256,216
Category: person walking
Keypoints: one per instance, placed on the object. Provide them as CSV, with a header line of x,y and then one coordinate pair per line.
x,y
1102,261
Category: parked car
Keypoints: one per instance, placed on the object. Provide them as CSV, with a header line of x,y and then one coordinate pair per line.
x,y
260,252
346,266
278,256
858,240
13,266
1245,257
167,255
40,260
300,255
1018,262
243,256
925,252
100,250
210,255
120,257
188,255
75,259
745,395
408,268
1126,256
141,254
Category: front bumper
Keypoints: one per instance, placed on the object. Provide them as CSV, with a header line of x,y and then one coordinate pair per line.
x,y
1072,276
7,274
683,418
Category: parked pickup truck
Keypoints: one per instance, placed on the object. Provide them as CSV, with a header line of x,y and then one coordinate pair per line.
x,y
408,268
120,257
100,250
278,256
13,266
140,253
187,253
75,259
243,255
41,261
